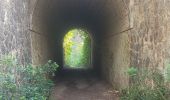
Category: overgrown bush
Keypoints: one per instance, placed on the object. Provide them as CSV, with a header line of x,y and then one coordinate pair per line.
x,y
28,82
146,84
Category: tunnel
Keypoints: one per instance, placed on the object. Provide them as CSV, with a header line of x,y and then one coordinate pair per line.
x,y
52,19
106,22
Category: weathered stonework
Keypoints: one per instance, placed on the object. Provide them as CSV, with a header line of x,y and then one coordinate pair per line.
x,y
127,32
115,48
14,34
149,35
148,38
116,60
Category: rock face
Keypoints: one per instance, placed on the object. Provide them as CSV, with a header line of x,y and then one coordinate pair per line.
x,y
14,25
150,33
144,44
132,32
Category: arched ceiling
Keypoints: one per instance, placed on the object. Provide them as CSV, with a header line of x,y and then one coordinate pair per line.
x,y
94,15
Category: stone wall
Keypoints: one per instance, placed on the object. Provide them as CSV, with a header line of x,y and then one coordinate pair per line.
x,y
42,41
149,36
138,34
116,60
145,40
166,29
14,25
115,48
41,49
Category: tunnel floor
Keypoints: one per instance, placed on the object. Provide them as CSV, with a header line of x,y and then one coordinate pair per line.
x,y
81,85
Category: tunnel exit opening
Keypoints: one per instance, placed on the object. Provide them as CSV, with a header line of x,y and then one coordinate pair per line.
x,y
77,49
108,23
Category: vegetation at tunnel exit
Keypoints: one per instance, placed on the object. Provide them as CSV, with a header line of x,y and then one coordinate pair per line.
x,y
28,82
77,49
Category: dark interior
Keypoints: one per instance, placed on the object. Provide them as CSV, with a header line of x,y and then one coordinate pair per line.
x,y
57,17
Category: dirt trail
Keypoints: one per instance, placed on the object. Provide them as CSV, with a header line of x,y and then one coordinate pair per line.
x,y
81,86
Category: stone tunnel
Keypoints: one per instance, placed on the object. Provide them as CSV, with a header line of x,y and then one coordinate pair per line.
x,y
105,21
125,33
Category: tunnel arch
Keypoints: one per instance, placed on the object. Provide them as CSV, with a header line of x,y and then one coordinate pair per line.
x,y
85,29
45,19
107,20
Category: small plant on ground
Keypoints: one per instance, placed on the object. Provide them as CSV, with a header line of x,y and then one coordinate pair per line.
x,y
26,82
146,84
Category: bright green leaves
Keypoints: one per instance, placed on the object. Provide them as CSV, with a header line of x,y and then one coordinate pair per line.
x,y
25,82
132,71
77,49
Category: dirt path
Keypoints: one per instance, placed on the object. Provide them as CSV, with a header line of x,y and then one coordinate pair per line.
x,y
82,86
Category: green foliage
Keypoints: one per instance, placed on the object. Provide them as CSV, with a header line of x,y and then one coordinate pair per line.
x,y
132,71
25,82
167,73
76,48
147,84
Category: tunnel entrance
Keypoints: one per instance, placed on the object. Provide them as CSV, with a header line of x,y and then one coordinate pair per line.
x,y
77,49
107,22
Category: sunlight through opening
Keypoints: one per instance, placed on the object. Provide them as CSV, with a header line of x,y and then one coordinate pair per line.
x,y
77,49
